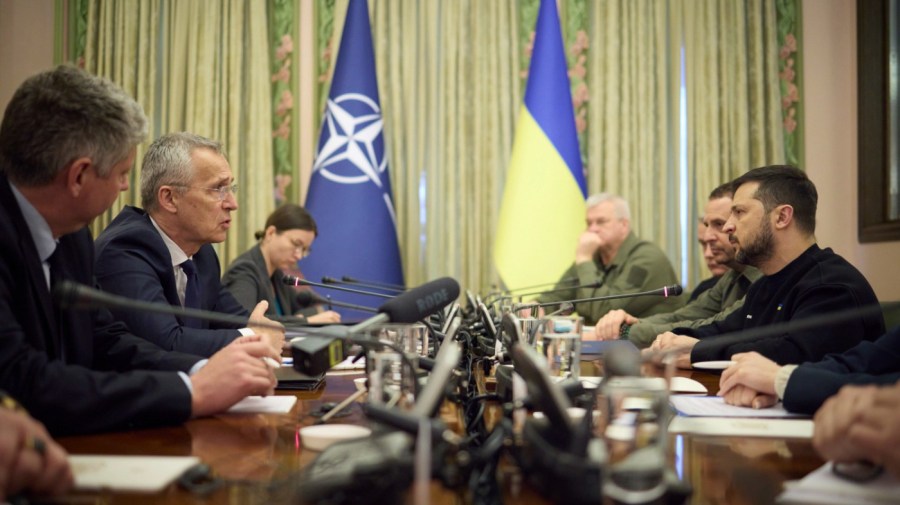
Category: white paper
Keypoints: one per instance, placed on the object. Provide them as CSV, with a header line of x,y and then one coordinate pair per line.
x,y
744,427
348,364
128,473
686,385
264,405
824,487
715,406
677,385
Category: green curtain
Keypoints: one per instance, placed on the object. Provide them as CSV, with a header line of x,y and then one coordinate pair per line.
x,y
451,79
194,66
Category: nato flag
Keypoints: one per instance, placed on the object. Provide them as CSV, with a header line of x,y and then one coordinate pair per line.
x,y
350,191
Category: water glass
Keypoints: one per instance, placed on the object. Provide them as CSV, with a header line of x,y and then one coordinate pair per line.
x,y
560,342
633,417
391,380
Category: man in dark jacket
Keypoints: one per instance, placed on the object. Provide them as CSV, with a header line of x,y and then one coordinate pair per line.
x,y
772,223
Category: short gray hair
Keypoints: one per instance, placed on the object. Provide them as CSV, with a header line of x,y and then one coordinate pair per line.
x,y
63,114
619,203
168,163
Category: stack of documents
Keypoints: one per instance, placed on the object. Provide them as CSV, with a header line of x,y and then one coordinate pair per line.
x,y
710,415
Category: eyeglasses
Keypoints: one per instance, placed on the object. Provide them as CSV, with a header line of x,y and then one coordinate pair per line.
x,y
221,192
300,248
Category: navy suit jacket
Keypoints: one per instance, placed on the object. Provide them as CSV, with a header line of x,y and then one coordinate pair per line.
x,y
875,362
88,392
133,261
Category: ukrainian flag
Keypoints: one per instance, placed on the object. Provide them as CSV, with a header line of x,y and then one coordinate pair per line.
x,y
542,211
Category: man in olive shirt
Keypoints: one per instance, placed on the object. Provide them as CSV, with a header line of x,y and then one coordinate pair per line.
x,y
613,261
713,305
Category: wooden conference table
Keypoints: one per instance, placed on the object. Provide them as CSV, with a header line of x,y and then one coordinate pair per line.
x,y
259,456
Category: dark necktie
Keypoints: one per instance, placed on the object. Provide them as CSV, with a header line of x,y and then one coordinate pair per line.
x,y
191,292
57,274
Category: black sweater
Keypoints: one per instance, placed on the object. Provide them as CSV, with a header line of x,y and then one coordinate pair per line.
x,y
817,283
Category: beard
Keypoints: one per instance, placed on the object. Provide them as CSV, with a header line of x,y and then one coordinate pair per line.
x,y
759,250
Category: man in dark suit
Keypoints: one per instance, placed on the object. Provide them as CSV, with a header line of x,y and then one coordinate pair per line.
x,y
755,381
162,254
67,145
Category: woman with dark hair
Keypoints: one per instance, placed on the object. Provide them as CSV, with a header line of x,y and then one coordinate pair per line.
x,y
257,274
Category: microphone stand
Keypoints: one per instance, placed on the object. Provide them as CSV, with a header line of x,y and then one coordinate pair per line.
x,y
79,297
296,281
332,280
508,292
665,291
362,308
380,285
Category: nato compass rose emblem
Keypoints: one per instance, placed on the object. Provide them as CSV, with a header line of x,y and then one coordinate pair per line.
x,y
353,147
353,151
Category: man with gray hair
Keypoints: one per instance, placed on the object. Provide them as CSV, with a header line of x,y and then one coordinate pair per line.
x,y
67,144
611,260
713,305
162,254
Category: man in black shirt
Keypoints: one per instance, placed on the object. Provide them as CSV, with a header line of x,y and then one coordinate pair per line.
x,y
772,224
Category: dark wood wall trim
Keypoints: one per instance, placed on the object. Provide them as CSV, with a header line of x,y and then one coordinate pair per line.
x,y
873,103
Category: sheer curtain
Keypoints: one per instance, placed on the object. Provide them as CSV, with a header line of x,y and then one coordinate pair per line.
x,y
734,120
633,114
449,86
451,76
201,67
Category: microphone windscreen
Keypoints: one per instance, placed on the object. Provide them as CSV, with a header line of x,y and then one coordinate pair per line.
x,y
421,302
622,361
290,280
674,290
305,298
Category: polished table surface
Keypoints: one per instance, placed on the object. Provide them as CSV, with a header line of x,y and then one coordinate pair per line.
x,y
260,455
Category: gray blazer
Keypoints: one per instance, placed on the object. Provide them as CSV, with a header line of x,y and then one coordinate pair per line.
x,y
249,283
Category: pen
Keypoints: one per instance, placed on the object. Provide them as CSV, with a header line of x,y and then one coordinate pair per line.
x,y
271,362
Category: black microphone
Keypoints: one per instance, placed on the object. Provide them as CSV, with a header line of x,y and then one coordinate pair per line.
x,y
589,285
666,291
509,291
311,355
383,285
622,361
71,295
775,330
290,280
314,357
307,297
332,280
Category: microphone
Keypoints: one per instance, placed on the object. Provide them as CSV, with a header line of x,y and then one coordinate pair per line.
x,y
290,280
666,291
533,286
316,357
332,280
71,295
307,297
311,355
383,285
589,285
774,330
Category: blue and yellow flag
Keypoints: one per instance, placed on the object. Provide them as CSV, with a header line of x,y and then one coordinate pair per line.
x,y
542,212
